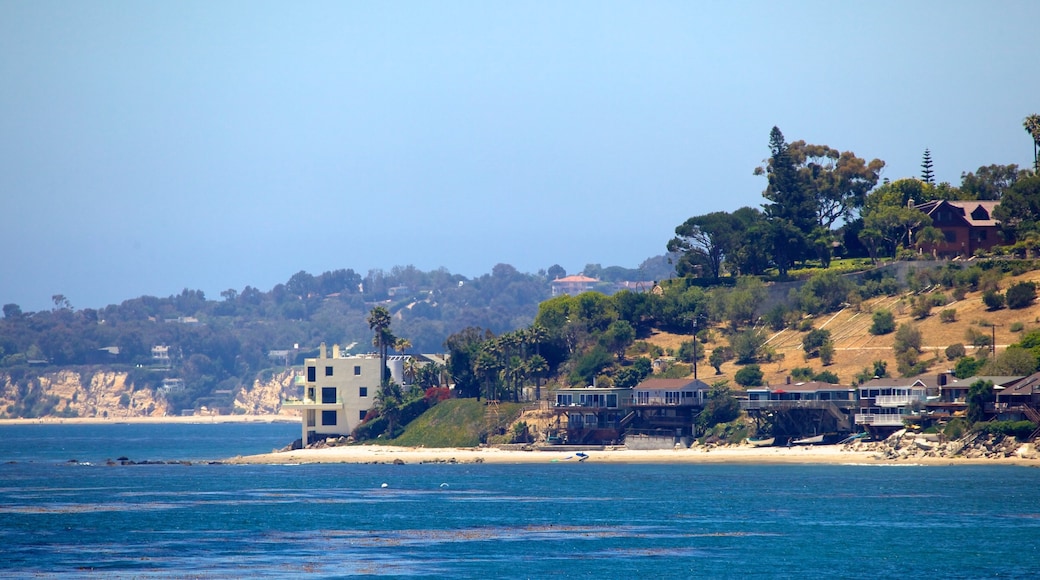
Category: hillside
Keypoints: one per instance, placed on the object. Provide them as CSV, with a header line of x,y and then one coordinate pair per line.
x,y
856,349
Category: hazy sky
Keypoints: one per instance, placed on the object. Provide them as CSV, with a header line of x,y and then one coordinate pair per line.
x,y
148,147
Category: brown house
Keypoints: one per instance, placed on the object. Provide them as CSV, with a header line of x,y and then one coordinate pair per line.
x,y
967,225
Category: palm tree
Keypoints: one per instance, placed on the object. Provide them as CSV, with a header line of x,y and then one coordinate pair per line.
x,y
1032,126
379,323
537,367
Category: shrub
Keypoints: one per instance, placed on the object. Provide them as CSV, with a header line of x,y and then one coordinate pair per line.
x,y
827,377
948,315
1016,327
813,341
955,351
883,322
993,300
1018,429
749,376
801,374
921,307
1021,295
959,293
827,353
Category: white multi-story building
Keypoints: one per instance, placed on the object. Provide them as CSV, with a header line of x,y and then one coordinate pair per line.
x,y
337,393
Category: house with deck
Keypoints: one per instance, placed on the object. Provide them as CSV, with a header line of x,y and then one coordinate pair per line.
x,y
885,404
592,415
664,413
1019,401
796,410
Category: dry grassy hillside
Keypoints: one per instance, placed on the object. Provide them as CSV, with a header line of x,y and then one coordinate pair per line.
x,y
856,349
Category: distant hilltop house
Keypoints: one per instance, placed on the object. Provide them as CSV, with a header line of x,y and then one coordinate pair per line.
x,y
578,283
967,225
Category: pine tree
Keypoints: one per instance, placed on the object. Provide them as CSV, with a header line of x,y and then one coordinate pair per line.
x,y
927,175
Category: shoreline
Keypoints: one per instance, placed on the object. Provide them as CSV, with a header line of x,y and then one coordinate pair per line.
x,y
737,454
192,419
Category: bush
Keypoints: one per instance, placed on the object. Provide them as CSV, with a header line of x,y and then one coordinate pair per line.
x,y
921,307
815,340
802,374
749,376
883,322
948,315
827,377
1018,429
993,300
955,351
1016,327
827,353
1021,295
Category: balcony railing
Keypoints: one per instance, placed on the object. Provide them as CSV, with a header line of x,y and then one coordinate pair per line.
x,y
810,404
302,403
884,420
666,402
895,400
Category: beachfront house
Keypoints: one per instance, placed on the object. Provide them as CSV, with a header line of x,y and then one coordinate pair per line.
x,y
886,404
338,391
592,415
664,412
797,410
1019,401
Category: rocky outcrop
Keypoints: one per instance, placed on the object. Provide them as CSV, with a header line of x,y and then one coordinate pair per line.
x,y
73,393
90,393
908,445
265,395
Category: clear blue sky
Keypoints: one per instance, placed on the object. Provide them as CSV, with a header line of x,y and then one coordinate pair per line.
x,y
148,147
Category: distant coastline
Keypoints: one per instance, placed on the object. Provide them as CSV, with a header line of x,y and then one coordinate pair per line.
x,y
191,419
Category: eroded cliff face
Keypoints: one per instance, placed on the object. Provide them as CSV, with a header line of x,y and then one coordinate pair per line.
x,y
109,395
265,395
69,393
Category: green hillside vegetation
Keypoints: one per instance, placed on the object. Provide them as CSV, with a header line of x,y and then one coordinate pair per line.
x,y
457,423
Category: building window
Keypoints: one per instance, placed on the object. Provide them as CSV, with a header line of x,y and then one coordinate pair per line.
x,y
328,371
328,417
357,370
362,414
328,395
310,393
363,392
312,375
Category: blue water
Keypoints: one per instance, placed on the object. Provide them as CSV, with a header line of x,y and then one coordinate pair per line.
x,y
490,521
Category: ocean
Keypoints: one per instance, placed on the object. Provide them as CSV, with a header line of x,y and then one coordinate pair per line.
x,y
566,519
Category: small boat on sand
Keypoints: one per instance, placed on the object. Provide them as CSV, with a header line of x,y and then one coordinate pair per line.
x,y
761,442
814,440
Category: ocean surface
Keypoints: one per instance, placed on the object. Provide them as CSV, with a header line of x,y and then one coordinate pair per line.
x,y
565,519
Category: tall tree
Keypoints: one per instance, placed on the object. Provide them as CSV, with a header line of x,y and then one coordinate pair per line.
x,y
379,323
789,198
927,175
704,241
991,181
1019,209
1032,126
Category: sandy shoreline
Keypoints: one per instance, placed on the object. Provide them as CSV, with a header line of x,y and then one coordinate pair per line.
x,y
194,419
738,454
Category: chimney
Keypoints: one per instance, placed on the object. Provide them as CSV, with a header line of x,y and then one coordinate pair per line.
x,y
942,379
321,350
789,379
